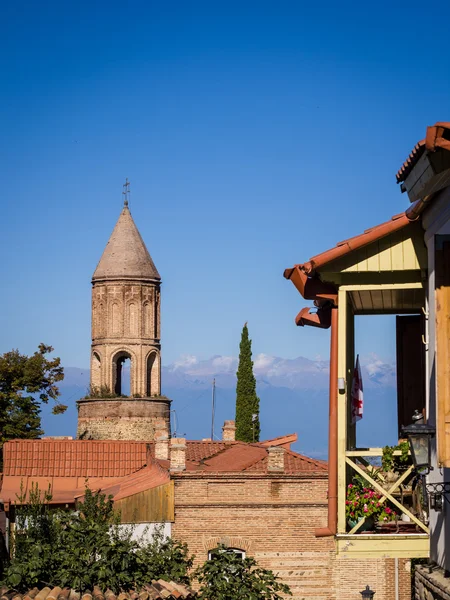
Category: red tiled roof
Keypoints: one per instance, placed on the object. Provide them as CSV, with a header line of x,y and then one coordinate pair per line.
x,y
73,458
438,136
125,468
345,247
238,457
293,464
157,590
146,478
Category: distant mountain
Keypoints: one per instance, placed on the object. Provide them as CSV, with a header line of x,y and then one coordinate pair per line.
x,y
293,393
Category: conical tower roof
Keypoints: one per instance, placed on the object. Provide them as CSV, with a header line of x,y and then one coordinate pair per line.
x,y
125,255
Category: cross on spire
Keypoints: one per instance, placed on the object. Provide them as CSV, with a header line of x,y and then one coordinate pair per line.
x,y
126,192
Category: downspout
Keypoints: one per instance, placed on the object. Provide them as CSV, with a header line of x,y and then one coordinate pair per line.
x,y
414,211
332,433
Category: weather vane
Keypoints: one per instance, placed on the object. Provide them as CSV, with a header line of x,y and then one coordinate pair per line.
x,y
126,192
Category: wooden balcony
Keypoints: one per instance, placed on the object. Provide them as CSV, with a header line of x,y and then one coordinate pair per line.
x,y
401,539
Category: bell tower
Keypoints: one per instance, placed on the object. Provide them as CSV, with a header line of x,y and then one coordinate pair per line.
x,y
126,324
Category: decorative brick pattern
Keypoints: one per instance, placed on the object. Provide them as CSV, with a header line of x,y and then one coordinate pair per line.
x,y
273,517
121,419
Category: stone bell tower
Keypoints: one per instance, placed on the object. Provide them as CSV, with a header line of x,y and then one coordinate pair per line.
x,y
126,324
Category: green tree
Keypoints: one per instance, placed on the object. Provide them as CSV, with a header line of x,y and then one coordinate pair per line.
x,y
25,383
87,547
247,402
36,537
227,576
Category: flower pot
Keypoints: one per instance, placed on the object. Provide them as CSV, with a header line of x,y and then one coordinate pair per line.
x,y
405,518
366,526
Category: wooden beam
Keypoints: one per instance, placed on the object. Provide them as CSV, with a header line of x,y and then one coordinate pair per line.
x,y
382,491
377,545
386,495
370,452
382,286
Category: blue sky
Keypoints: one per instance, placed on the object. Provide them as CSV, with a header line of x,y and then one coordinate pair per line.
x,y
254,134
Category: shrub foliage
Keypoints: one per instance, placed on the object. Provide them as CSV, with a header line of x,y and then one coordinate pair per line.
x,y
227,576
88,546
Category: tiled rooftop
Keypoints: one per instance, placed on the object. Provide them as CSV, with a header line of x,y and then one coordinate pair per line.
x,y
437,137
293,464
157,590
73,458
117,459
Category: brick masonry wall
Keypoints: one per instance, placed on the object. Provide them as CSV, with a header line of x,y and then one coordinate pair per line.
x,y
273,518
121,419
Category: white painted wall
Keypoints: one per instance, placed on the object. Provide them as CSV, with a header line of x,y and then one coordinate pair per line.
x,y
146,531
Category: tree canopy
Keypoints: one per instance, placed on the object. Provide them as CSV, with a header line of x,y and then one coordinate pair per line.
x,y
227,576
25,383
247,402
86,547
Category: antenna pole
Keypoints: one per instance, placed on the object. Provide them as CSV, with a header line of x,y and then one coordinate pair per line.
x,y
213,408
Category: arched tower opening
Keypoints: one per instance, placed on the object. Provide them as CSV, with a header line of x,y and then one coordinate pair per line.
x,y
122,373
152,370
96,371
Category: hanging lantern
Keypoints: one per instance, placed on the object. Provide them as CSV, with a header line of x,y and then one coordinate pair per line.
x,y
419,435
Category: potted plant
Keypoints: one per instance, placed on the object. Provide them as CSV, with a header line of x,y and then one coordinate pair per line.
x,y
392,463
364,502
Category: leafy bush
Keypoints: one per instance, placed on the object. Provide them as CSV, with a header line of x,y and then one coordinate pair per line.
x,y
227,576
86,547
37,534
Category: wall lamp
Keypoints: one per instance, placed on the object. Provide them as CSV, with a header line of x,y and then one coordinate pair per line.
x,y
367,594
436,493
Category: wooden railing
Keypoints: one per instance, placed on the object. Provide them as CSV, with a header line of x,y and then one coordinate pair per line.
x,y
386,494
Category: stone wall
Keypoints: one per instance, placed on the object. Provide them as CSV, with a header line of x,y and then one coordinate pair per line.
x,y
121,419
273,518
431,586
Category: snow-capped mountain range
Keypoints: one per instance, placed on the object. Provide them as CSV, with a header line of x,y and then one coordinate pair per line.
x,y
293,394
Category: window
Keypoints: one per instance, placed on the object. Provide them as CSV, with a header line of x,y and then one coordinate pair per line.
x,y
237,551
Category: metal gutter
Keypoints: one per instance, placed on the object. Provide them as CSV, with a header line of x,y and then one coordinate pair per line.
x,y
332,433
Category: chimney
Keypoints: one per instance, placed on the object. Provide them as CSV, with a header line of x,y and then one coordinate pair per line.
x,y
275,463
177,455
161,438
229,431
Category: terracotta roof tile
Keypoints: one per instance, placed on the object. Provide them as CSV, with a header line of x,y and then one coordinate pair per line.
x,y
438,136
73,458
157,590
123,468
146,478
293,464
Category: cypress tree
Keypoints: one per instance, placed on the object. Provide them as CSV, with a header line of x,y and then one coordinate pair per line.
x,y
247,402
